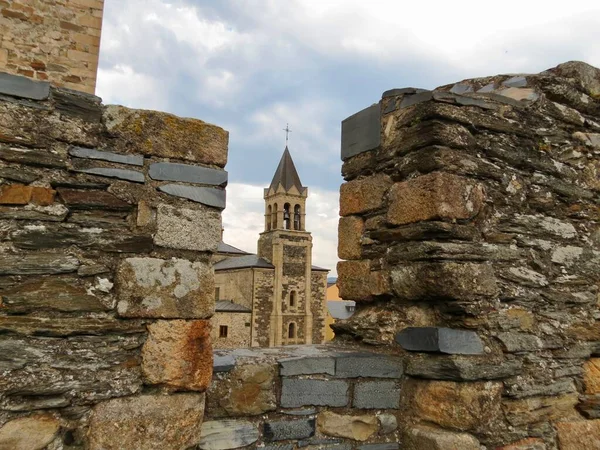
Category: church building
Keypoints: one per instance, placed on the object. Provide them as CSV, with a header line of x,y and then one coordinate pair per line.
x,y
276,297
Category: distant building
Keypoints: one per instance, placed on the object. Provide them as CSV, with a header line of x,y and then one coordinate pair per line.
x,y
276,297
337,309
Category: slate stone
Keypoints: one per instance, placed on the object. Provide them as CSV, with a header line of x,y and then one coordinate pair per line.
x,y
461,368
520,342
289,429
206,196
319,442
461,88
89,200
300,412
29,157
226,434
517,81
354,365
440,340
75,184
401,91
391,106
68,326
52,213
77,104
278,447
470,101
410,100
487,88
20,175
18,86
376,395
90,153
37,264
307,366
295,393
361,132
187,173
122,174
386,446
224,363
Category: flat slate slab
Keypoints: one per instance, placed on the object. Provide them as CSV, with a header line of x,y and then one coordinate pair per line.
x,y
90,153
440,340
385,446
376,395
18,86
122,174
354,365
187,173
295,393
307,366
226,434
224,363
206,196
289,429
361,132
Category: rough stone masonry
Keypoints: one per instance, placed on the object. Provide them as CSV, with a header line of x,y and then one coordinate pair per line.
x,y
109,217
471,239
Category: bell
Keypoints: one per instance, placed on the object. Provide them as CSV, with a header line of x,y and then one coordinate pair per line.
x,y
286,215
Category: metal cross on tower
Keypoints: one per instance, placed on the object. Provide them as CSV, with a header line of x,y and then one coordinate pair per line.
x,y
287,132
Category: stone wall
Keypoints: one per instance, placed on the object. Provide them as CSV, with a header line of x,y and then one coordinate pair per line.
x,y
54,40
108,220
471,239
238,329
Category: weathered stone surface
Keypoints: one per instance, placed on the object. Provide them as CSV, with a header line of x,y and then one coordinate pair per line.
x,y
188,229
350,231
589,407
520,342
77,104
388,446
187,173
359,428
32,157
307,366
89,153
51,213
461,368
429,438
587,76
442,340
363,195
19,175
178,354
223,363
388,423
448,251
525,444
289,429
147,421
434,196
295,393
421,231
37,264
376,395
67,326
365,365
361,132
459,406
537,409
88,199
18,86
167,136
227,434
414,99
582,435
461,281
354,279
15,194
29,433
122,174
591,376
167,289
206,196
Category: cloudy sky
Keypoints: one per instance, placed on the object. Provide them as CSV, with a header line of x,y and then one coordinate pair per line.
x,y
251,66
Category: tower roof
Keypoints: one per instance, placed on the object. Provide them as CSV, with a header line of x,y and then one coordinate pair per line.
x,y
286,174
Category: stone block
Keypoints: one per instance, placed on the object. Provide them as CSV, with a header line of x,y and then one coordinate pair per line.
x,y
188,229
307,392
515,342
307,365
29,433
18,86
447,280
386,446
121,174
38,264
388,422
591,376
415,99
19,175
435,196
90,153
367,365
350,230
54,213
590,407
40,158
363,195
376,395
187,173
582,435
80,199
525,444
361,132
166,289
178,354
537,409
206,196
440,340
15,194
461,368
354,280
289,429
224,363
42,196
429,438
358,428
147,421
68,326
167,136
227,434
516,81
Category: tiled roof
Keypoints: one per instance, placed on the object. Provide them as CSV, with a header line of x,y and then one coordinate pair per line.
x,y
286,173
229,306
226,248
319,269
240,262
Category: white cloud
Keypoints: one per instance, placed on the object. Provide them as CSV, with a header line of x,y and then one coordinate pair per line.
x,y
122,85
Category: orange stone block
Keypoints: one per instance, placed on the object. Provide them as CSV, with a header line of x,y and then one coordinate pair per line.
x,y
582,435
591,376
42,196
358,196
15,194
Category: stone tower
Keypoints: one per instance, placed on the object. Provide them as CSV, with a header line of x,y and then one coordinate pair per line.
x,y
288,246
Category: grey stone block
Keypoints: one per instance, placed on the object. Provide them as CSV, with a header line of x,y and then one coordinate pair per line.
x,y
368,365
224,363
376,395
289,429
440,340
295,393
462,368
225,434
89,153
322,443
410,100
518,81
23,87
122,174
361,132
278,447
401,91
461,88
300,412
206,196
520,342
487,88
391,106
307,366
386,446
187,173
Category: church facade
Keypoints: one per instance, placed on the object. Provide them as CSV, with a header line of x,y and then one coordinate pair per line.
x,y
275,297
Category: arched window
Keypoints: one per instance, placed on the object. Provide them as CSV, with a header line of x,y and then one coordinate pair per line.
x,y
274,215
293,299
286,216
269,213
297,218
292,331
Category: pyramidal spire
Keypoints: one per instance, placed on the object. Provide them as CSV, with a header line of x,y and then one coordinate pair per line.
x,y
286,173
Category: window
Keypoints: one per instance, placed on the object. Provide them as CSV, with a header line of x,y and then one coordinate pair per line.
x,y
293,299
291,330
297,220
286,216
217,294
222,331
274,216
269,218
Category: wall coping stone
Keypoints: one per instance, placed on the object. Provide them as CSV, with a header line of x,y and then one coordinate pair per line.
x,y
18,86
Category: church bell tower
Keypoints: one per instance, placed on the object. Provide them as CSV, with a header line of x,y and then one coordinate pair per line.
x,y
288,246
